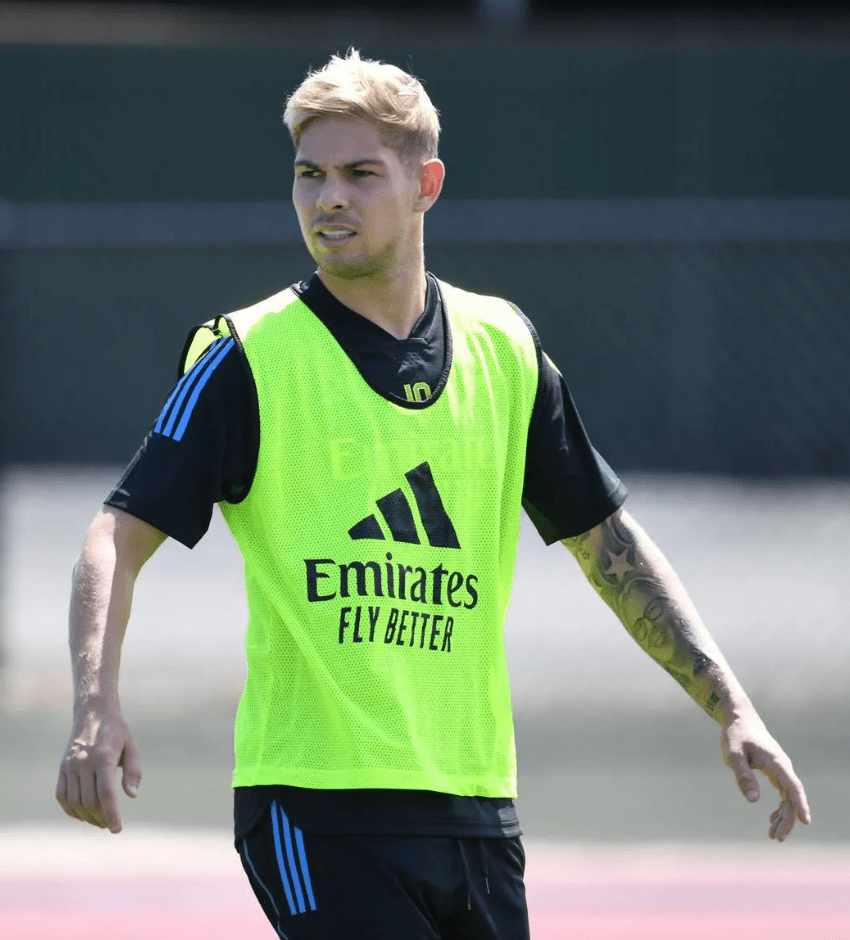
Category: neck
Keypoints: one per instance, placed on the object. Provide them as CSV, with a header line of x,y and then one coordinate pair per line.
x,y
394,303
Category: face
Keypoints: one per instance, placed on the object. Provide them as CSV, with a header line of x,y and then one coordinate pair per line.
x,y
359,206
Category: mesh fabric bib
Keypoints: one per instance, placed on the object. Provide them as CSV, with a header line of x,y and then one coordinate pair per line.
x,y
379,544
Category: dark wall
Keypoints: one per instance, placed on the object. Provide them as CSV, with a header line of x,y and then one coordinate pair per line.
x,y
530,119
714,357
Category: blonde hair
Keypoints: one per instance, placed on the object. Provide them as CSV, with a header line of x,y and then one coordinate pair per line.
x,y
363,88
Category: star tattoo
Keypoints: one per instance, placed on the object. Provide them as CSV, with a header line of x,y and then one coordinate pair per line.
x,y
619,566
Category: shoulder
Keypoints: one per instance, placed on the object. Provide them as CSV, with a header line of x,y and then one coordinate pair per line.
x,y
246,320
457,296
489,310
231,329
495,314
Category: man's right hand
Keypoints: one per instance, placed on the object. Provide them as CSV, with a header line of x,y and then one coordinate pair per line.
x,y
100,743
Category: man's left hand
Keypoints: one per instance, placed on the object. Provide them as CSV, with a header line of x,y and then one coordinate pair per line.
x,y
748,746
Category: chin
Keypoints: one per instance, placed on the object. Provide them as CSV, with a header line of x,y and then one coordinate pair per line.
x,y
348,270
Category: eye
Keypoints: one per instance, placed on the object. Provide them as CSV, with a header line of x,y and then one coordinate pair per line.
x,y
362,173
309,174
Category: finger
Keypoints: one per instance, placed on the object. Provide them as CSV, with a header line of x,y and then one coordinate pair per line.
x,y
746,779
62,791
88,800
791,789
786,822
132,776
75,806
775,820
797,798
72,795
781,829
108,798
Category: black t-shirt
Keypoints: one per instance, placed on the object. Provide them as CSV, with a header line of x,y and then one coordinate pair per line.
x,y
173,485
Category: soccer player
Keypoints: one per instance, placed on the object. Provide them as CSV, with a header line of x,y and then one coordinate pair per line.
x,y
370,435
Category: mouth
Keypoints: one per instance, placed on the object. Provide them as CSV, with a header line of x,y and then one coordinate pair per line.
x,y
334,236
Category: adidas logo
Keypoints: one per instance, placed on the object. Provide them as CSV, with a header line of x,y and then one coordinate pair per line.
x,y
398,516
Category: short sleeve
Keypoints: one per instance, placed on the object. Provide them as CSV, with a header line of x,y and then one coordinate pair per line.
x,y
202,448
568,488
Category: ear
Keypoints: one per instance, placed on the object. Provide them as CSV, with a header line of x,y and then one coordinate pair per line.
x,y
431,176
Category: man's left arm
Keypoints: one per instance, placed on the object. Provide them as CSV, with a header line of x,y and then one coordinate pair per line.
x,y
637,582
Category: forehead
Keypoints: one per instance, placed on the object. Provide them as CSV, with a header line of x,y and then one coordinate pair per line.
x,y
342,140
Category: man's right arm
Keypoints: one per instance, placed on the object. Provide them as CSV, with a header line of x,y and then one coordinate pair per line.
x,y
115,549
169,489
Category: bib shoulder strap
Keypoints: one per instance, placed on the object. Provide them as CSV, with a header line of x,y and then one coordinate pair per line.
x,y
199,341
237,324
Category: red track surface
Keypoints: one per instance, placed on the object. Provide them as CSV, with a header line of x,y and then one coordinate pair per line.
x,y
574,894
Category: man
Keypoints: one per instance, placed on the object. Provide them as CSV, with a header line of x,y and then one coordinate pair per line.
x,y
370,436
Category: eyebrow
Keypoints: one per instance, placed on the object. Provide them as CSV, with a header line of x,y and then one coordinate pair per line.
x,y
346,166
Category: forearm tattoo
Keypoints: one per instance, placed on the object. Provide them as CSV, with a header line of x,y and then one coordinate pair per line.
x,y
635,580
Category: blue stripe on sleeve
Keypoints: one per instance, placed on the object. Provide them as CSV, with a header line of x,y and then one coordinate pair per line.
x,y
187,411
305,871
199,380
287,834
192,377
184,381
284,878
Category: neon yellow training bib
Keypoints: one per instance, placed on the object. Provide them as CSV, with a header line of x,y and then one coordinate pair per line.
x,y
379,543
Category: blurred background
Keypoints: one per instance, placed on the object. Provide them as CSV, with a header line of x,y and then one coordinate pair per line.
x,y
664,192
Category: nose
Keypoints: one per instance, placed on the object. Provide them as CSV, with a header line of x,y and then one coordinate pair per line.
x,y
332,196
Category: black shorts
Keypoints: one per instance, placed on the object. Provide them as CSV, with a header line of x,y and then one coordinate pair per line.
x,y
385,887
